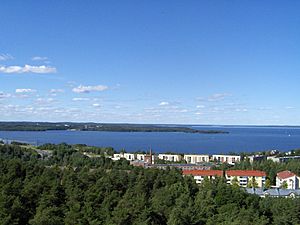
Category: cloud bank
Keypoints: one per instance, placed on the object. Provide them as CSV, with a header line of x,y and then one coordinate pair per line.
x,y
25,90
39,58
4,57
88,89
27,69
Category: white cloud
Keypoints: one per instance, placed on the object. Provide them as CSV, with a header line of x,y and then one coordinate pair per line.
x,y
218,97
200,106
214,98
27,69
164,103
45,100
96,105
25,90
88,89
80,99
4,57
39,58
289,107
241,110
264,108
54,91
4,95
183,111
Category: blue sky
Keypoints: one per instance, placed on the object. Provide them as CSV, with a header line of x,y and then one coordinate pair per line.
x,y
200,62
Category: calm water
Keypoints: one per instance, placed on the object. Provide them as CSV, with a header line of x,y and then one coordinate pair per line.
x,y
239,139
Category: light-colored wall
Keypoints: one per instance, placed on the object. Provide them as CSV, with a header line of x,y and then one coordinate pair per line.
x,y
273,158
244,180
196,158
127,156
199,179
140,157
230,159
169,157
292,182
116,157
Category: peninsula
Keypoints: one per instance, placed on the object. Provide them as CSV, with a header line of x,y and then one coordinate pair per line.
x,y
45,126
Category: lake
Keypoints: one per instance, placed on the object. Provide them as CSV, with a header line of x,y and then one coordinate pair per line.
x,y
240,138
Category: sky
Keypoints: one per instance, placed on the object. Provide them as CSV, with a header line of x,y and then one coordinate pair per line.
x,y
144,61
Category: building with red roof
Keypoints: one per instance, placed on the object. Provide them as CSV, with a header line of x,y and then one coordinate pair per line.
x,y
200,175
248,173
243,178
246,178
287,179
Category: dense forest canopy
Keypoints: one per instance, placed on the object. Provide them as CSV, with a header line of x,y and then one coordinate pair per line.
x,y
70,188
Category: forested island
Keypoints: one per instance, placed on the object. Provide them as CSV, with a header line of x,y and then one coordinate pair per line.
x,y
44,126
71,188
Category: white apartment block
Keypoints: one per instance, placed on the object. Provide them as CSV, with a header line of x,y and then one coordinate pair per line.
x,y
117,156
230,159
127,156
287,179
194,159
140,157
170,157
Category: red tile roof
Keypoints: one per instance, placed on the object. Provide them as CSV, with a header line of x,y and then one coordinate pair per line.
x,y
246,173
203,172
285,174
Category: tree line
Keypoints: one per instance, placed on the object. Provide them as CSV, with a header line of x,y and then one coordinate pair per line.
x,y
70,188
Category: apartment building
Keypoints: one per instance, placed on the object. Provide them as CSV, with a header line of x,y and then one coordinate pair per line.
x,y
170,157
246,178
127,156
200,175
194,159
230,159
283,158
288,180
140,157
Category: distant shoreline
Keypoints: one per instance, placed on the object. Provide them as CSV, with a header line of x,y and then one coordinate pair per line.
x,y
45,126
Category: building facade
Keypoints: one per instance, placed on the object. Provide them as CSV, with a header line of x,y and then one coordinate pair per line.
x,y
283,158
287,179
194,159
230,159
200,175
183,167
140,157
246,178
170,157
127,156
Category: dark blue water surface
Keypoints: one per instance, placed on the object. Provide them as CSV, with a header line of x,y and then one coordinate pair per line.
x,y
240,138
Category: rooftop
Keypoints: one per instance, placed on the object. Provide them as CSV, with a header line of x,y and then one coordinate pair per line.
x,y
273,192
248,173
203,172
285,174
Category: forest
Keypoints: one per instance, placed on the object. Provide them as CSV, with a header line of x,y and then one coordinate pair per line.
x,y
70,188
111,127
